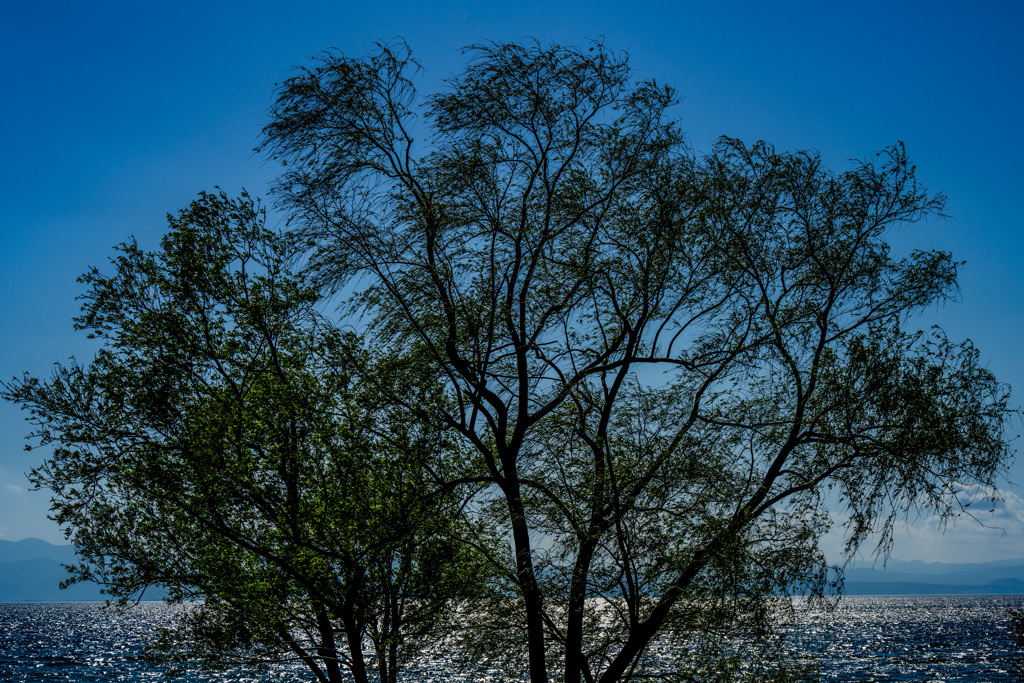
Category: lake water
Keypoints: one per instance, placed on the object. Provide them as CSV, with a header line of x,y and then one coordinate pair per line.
x,y
934,638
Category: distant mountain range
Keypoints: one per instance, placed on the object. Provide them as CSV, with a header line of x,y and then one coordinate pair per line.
x,y
897,577
31,571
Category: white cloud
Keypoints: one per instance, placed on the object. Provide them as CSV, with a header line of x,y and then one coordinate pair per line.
x,y
987,530
15,488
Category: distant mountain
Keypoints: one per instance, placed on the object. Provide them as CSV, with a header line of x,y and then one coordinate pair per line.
x,y
39,580
917,567
34,549
1005,577
31,571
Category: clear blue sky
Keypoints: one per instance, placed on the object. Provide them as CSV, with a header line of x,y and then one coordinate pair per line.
x,y
115,113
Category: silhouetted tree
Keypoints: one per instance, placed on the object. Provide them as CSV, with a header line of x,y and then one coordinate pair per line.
x,y
664,361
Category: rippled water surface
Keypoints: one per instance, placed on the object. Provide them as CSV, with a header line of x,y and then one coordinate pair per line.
x,y
933,638
956,638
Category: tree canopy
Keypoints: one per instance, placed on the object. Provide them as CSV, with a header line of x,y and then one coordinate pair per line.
x,y
654,373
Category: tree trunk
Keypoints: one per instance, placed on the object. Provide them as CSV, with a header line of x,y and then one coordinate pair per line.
x,y
534,600
327,651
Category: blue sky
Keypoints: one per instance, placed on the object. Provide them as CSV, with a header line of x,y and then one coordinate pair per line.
x,y
116,113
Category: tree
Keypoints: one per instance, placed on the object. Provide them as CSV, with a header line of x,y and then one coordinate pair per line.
x,y
670,366
228,444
